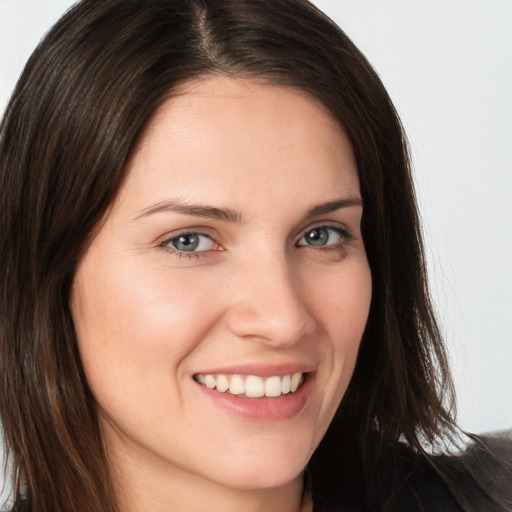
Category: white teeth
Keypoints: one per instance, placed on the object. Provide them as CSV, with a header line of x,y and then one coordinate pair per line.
x,y
222,383
253,386
273,386
286,384
210,381
236,385
296,378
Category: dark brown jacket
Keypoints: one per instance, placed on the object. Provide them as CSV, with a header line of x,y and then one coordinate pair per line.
x,y
477,480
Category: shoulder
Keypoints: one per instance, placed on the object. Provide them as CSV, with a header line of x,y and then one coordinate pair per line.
x,y
406,481
394,479
490,456
484,471
478,478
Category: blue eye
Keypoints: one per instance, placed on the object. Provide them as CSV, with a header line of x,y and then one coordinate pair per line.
x,y
190,242
322,236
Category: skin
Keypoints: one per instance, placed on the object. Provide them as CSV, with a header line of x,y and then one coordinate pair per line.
x,y
257,292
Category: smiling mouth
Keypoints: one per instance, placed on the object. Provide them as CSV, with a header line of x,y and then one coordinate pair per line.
x,y
252,386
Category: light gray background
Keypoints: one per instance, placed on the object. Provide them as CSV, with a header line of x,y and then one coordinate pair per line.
x,y
448,67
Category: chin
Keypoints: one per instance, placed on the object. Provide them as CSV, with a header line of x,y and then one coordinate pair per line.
x,y
254,477
261,467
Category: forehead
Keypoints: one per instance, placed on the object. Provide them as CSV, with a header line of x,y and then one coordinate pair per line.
x,y
236,137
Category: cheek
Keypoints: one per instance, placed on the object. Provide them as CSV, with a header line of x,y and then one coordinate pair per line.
x,y
342,302
135,328
342,305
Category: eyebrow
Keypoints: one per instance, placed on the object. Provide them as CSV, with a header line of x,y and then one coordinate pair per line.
x,y
196,210
332,206
229,215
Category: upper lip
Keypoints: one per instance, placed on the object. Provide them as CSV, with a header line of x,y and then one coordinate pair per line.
x,y
261,370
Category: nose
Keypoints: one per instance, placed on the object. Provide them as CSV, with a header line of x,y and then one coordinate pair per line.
x,y
268,304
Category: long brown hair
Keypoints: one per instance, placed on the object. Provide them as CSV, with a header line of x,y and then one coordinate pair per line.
x,y
84,97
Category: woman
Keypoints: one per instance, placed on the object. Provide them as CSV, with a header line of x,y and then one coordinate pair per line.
x,y
213,290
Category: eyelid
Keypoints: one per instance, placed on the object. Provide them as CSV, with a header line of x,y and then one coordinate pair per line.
x,y
203,231
166,242
340,228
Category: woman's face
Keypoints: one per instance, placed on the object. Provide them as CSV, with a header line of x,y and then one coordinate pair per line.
x,y
230,266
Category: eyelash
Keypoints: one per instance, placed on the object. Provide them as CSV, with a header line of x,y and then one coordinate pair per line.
x,y
339,246
344,235
187,254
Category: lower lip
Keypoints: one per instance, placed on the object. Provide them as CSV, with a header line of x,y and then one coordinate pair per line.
x,y
264,408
